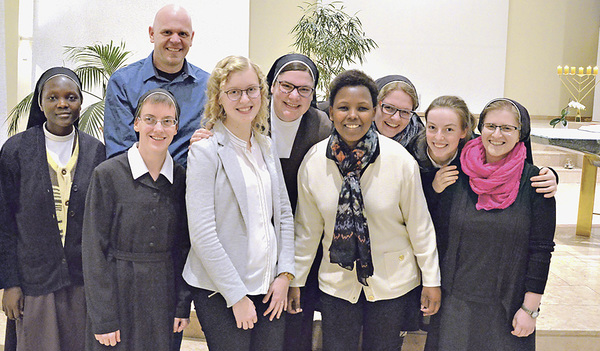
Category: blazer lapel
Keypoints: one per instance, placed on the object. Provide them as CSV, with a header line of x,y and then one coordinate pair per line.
x,y
234,173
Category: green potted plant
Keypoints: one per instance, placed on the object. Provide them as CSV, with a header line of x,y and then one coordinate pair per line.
x,y
564,112
95,64
331,38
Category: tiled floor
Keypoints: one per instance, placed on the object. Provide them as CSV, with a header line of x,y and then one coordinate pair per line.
x,y
571,304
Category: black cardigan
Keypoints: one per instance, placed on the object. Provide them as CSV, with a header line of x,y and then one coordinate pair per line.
x,y
314,127
31,252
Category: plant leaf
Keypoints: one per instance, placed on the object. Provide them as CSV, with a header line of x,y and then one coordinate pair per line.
x,y
91,119
332,38
15,115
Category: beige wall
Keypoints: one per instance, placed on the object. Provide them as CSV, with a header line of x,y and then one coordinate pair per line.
x,y
270,24
11,27
542,35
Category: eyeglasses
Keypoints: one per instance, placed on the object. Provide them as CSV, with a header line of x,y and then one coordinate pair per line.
x,y
391,110
236,94
151,121
287,88
504,129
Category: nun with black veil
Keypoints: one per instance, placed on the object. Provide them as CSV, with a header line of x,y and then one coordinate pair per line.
x,y
297,125
493,280
44,177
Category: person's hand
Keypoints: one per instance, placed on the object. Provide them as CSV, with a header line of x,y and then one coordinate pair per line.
x,y
109,339
545,182
12,302
431,298
293,306
523,324
444,177
278,292
200,134
245,313
179,324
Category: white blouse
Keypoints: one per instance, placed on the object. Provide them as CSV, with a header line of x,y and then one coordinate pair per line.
x,y
262,242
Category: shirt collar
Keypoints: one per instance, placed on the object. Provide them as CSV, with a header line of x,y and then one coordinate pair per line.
x,y
139,168
437,165
148,70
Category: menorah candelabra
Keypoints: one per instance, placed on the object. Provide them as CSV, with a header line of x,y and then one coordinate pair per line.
x,y
578,84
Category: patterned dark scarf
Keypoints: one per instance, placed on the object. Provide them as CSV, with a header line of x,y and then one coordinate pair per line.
x,y
351,242
413,128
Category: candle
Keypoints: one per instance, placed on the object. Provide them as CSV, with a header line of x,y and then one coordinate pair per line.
x,y
588,70
595,70
559,69
580,70
573,69
566,69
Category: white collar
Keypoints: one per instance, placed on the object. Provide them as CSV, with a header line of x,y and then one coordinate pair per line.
x,y
139,168
437,165
276,121
58,138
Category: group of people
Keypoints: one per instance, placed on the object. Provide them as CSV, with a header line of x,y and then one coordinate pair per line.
x,y
271,210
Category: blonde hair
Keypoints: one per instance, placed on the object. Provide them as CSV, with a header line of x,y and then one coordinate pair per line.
x,y
399,85
459,106
213,110
501,105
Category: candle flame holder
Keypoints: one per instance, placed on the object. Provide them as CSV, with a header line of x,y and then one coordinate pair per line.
x,y
579,85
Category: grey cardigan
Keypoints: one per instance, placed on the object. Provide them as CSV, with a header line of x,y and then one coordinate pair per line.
x,y
218,212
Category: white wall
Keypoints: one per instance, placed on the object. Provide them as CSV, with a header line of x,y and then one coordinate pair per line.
x,y
221,27
444,47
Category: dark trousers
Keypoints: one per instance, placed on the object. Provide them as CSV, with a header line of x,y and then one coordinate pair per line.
x,y
381,323
10,339
299,327
176,341
222,333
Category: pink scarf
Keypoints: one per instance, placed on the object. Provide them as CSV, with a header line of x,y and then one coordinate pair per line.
x,y
497,184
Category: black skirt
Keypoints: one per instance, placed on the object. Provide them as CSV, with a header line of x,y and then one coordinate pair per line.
x,y
471,326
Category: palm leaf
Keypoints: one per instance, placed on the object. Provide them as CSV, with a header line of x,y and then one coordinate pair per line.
x,y
21,109
91,120
97,62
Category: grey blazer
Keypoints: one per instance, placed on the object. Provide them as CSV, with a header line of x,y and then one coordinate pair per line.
x,y
217,210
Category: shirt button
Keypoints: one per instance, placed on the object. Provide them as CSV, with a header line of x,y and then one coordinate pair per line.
x,y
67,203
75,187
371,297
151,244
64,260
401,258
153,211
64,171
153,228
155,194
71,213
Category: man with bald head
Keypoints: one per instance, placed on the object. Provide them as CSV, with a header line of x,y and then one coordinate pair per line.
x,y
166,67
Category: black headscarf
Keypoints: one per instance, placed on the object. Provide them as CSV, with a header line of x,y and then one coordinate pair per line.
x,y
165,92
36,115
524,121
383,81
284,60
415,125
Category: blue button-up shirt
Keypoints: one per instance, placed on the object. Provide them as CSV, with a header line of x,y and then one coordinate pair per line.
x,y
128,84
